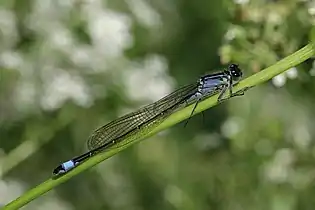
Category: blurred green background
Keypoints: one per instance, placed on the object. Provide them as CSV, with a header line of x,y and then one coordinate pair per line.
x,y
69,66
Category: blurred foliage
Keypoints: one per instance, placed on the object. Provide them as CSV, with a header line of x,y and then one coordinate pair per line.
x,y
67,67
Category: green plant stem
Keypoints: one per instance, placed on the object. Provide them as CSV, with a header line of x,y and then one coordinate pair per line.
x,y
267,74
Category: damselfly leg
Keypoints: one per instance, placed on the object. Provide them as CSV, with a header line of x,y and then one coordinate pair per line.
x,y
192,112
237,93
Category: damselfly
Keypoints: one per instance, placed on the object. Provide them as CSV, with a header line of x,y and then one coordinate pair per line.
x,y
115,131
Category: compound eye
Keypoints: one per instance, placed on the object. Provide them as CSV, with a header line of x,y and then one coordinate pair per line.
x,y
235,71
233,66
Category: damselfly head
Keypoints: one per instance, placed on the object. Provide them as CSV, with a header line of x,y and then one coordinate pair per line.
x,y
235,72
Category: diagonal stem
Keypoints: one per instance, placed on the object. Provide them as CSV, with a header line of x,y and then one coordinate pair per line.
x,y
256,79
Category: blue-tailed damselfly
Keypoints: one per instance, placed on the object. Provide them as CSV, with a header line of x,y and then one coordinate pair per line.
x,y
115,131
